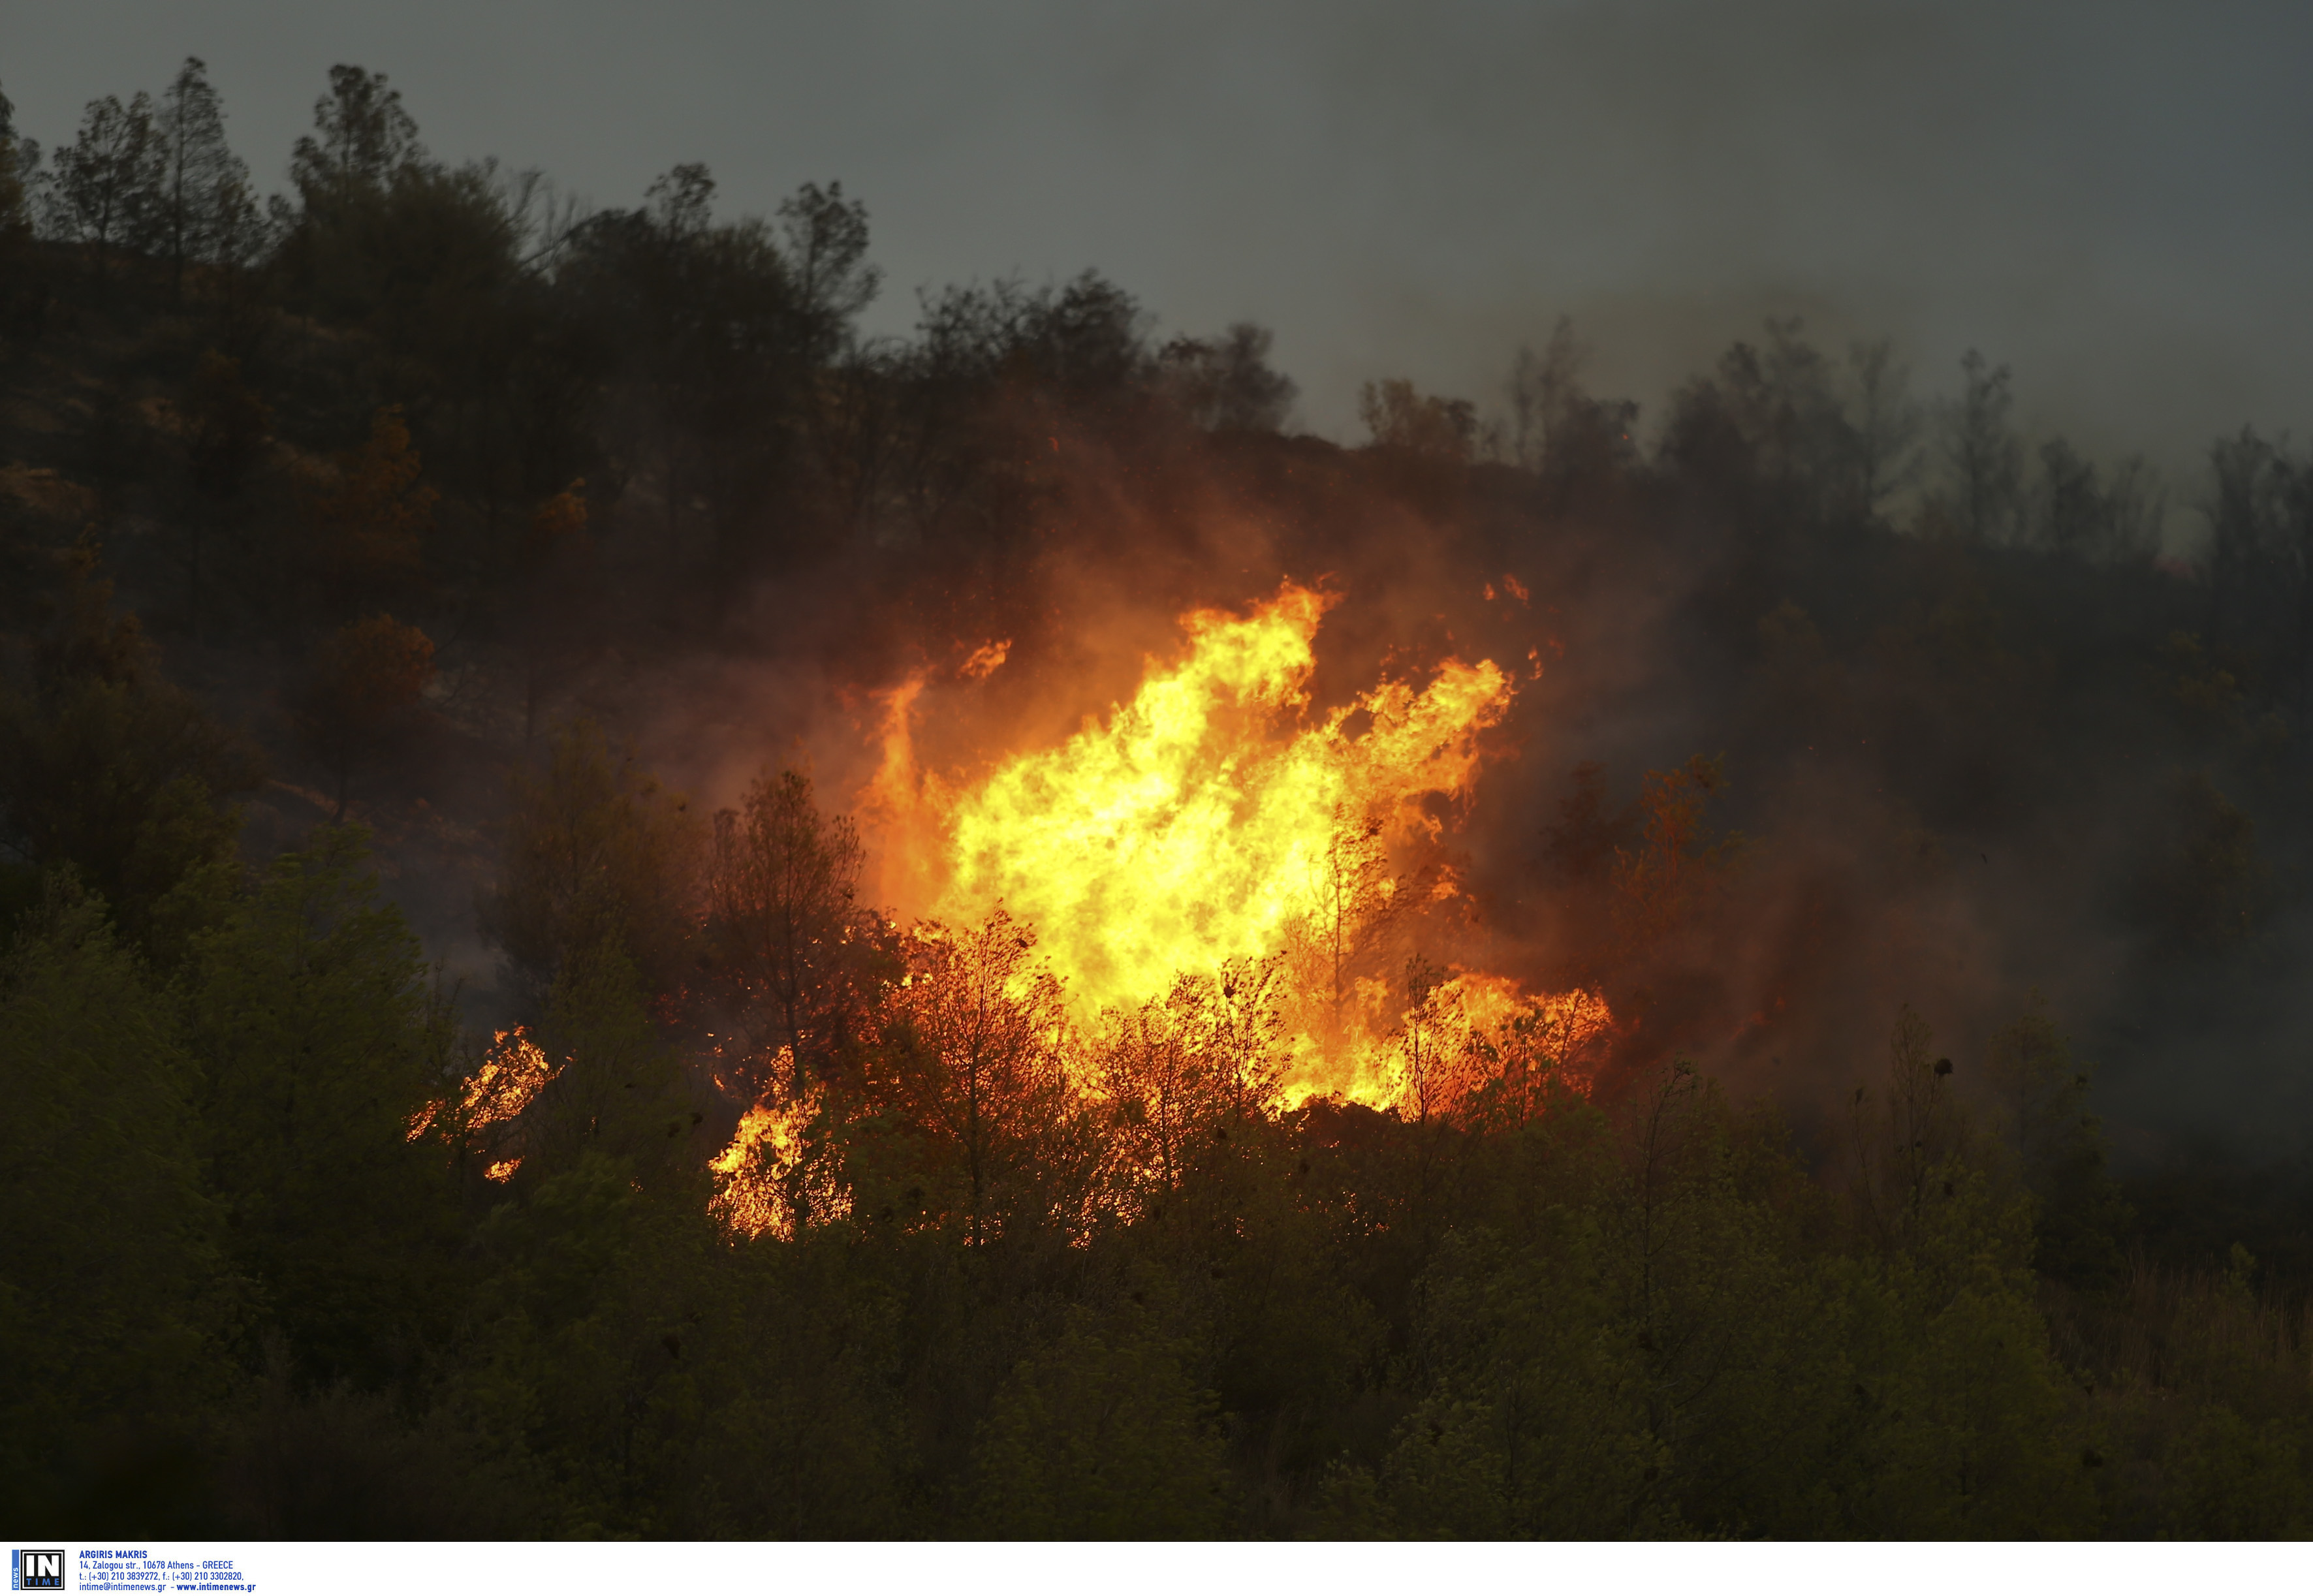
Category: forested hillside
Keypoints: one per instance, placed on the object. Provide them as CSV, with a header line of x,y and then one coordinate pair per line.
x,y
457,649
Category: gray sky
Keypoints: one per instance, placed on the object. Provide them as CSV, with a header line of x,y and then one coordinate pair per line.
x,y
2113,198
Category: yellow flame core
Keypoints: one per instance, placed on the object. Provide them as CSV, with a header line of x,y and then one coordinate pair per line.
x,y
513,1072
765,1180
1198,825
1187,830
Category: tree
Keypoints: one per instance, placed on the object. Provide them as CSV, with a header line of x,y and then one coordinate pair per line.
x,y
2135,511
785,920
1226,384
203,204
1085,342
617,1092
1766,433
1984,460
682,200
320,1044
2071,508
374,519
2260,520
1355,903
114,1302
595,849
560,615
1102,1436
1589,833
1783,393
363,683
1676,868
112,772
1559,431
826,253
20,164
1400,417
1885,425
1427,1044
229,424
360,139
1907,1144
2075,514
972,1052
1182,1072
106,190
2079,1213
716,335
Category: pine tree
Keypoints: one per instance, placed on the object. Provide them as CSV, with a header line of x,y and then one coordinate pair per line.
x,y
204,201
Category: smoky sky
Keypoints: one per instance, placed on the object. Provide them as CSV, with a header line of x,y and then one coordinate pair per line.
x,y
2110,199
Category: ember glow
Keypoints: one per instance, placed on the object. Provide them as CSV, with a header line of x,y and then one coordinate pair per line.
x,y
1219,817
764,1180
513,1072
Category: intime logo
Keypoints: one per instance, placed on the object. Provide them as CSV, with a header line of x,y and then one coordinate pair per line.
x,y
36,1571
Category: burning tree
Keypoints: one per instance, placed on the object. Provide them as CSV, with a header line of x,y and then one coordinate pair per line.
x,y
974,1051
1198,828
1178,1073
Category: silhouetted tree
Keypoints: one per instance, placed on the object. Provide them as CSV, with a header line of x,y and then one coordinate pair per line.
x,y
361,139
108,187
20,167
785,921
204,207
825,239
2077,513
1982,457
1400,417
595,849
1226,384
1884,426
1574,441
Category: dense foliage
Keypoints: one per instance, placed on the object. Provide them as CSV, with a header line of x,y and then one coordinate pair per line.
x,y
418,470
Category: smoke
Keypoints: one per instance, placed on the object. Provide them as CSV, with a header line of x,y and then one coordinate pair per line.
x,y
1959,784
1972,852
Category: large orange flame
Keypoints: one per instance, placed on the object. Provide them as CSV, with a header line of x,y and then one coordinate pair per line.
x,y
1207,822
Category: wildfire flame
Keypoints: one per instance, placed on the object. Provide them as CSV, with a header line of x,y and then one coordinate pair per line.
x,y
984,660
513,1072
764,1180
1206,823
